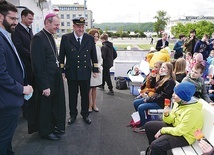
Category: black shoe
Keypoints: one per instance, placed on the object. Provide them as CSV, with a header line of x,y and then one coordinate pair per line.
x,y
52,136
59,132
110,92
87,120
71,120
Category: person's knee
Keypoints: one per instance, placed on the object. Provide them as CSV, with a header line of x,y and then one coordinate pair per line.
x,y
148,125
136,104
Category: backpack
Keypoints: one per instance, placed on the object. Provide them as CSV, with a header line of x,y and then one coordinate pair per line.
x,y
121,83
134,124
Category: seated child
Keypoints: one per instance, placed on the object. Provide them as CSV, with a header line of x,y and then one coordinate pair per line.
x,y
178,125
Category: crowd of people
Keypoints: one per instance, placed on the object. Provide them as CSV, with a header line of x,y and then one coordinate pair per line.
x,y
178,79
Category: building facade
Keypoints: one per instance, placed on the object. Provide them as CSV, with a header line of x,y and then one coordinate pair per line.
x,y
186,19
68,12
40,9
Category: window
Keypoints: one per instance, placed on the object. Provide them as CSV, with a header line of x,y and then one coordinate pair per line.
x,y
62,16
68,16
62,24
68,24
74,16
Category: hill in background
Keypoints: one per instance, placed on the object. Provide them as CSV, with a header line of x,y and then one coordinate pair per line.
x,y
145,27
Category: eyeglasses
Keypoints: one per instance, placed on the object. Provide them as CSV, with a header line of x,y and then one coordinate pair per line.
x,y
13,18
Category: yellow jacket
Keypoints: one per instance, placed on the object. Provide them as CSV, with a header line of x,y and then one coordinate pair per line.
x,y
162,55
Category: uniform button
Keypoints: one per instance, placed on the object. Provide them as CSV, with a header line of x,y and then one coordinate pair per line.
x,y
78,61
84,55
85,61
85,66
78,66
87,50
78,56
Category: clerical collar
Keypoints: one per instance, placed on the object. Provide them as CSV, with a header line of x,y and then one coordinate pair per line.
x,y
48,33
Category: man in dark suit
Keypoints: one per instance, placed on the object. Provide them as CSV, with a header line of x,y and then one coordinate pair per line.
x,y
162,43
21,39
47,114
81,59
12,76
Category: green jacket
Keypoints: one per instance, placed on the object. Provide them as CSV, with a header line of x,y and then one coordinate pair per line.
x,y
185,120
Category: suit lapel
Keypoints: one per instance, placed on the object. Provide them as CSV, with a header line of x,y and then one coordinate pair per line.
x,y
84,41
73,40
16,54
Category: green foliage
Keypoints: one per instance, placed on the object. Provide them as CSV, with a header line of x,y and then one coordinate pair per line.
x,y
201,27
161,21
125,26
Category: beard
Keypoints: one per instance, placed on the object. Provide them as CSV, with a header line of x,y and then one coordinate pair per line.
x,y
8,27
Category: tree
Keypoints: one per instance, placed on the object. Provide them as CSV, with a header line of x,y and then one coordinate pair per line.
x,y
201,27
161,21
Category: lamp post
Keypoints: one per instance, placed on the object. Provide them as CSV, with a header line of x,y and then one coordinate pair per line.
x,y
85,8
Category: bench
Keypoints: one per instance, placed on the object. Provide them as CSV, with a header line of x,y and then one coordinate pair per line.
x,y
208,130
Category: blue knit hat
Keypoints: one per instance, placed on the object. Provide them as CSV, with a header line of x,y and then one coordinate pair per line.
x,y
185,90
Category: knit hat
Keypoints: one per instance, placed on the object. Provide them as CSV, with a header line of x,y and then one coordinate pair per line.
x,y
185,90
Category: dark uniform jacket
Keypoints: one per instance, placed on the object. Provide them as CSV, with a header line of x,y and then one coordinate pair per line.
x,y
80,61
21,39
11,77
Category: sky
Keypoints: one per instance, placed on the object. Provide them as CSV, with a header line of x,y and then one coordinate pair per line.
x,y
142,10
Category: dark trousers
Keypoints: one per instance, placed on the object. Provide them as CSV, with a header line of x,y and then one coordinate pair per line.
x,y
107,78
73,90
165,142
8,124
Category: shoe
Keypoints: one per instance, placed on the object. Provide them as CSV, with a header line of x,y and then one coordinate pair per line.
x,y
71,120
51,136
87,120
90,110
59,132
95,109
142,152
110,92
139,130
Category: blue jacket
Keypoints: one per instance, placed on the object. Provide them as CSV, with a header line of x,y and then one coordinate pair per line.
x,y
177,46
11,76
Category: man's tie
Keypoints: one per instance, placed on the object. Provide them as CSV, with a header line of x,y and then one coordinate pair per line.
x,y
78,41
30,32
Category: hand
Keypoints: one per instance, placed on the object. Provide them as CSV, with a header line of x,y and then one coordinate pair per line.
x,y
27,89
46,92
144,95
211,91
166,111
95,75
63,76
211,103
212,82
158,134
205,147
